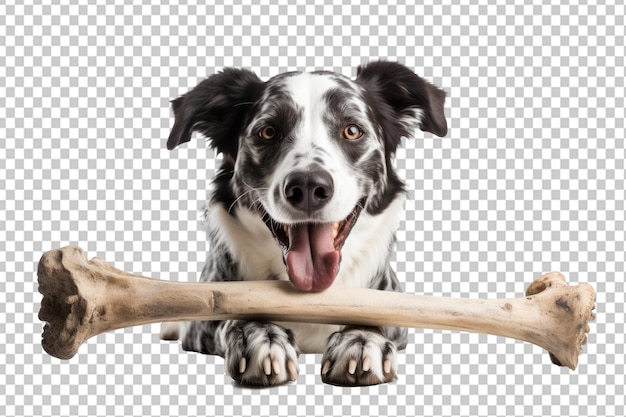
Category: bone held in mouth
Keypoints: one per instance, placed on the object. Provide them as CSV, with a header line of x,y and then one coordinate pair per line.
x,y
83,298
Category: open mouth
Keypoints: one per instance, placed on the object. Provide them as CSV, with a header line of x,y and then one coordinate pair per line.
x,y
312,251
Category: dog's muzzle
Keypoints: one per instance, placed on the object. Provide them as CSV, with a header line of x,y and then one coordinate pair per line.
x,y
312,250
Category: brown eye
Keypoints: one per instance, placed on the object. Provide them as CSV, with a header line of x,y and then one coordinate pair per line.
x,y
352,132
267,133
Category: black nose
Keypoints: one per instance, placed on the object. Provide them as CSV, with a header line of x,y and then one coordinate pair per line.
x,y
309,190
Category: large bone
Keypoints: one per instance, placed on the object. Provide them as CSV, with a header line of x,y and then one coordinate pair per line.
x,y
84,298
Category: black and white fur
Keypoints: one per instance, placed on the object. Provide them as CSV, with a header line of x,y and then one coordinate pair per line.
x,y
304,153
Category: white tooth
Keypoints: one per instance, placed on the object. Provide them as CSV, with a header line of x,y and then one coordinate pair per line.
x,y
335,230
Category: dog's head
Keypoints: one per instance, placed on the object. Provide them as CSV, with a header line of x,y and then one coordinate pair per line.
x,y
309,151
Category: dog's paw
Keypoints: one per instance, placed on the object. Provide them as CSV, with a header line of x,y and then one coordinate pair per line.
x,y
261,354
357,357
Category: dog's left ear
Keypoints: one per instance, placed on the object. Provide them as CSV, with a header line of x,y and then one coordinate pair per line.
x,y
404,92
216,108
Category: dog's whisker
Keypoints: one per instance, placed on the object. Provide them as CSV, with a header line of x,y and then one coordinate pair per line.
x,y
253,188
245,103
254,205
250,189
230,208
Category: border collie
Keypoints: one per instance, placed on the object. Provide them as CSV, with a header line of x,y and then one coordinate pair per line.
x,y
306,192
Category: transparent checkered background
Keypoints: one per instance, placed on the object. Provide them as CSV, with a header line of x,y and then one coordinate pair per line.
x,y
529,179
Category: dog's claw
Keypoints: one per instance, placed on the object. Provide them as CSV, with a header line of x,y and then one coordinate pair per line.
x,y
367,363
292,370
267,366
352,366
387,366
325,367
275,367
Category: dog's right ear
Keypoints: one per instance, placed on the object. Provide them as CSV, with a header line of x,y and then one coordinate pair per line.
x,y
404,92
216,108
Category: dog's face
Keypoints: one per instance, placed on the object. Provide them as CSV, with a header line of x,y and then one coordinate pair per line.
x,y
309,151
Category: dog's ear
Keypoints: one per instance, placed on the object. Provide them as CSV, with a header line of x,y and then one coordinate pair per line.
x,y
216,108
405,92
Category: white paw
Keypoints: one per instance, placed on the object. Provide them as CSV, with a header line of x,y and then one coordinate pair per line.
x,y
359,357
261,354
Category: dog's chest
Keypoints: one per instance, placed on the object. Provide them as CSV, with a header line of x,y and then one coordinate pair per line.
x,y
250,243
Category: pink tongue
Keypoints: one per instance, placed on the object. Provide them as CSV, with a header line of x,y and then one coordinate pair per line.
x,y
312,261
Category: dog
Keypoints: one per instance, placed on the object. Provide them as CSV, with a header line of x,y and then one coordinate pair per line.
x,y
306,192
